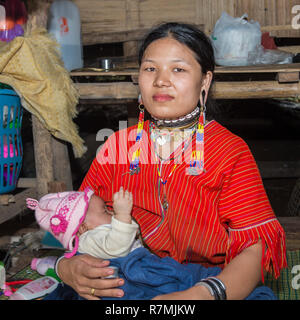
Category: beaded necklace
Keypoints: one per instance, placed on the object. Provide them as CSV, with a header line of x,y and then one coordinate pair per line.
x,y
197,156
165,203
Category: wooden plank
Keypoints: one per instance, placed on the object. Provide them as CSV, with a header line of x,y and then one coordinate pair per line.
x,y
291,49
26,183
114,90
120,36
291,226
220,90
14,209
90,72
283,77
270,68
254,90
276,28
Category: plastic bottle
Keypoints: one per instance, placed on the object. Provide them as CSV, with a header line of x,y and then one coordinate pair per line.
x,y
13,16
41,265
2,276
64,25
35,289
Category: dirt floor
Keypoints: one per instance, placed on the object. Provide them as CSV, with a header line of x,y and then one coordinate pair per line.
x,y
272,132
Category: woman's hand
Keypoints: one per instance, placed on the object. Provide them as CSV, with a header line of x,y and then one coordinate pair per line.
x,y
84,272
193,293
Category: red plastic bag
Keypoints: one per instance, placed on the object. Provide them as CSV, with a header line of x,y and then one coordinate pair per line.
x,y
13,16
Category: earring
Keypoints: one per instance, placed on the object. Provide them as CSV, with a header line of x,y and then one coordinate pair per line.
x,y
140,99
197,157
134,165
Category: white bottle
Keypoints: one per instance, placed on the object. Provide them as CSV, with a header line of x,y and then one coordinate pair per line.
x,y
64,25
41,265
35,289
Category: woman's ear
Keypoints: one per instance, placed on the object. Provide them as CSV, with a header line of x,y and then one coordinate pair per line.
x,y
140,100
206,82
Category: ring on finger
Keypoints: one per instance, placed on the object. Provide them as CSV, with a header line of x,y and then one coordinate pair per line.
x,y
92,291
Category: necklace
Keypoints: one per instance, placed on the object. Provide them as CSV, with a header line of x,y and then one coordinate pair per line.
x,y
165,203
164,135
175,123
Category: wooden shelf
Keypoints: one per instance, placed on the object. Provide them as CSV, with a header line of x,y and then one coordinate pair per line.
x,y
270,68
285,85
13,209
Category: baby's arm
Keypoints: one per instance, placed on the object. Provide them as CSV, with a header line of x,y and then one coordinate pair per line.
x,y
122,204
110,242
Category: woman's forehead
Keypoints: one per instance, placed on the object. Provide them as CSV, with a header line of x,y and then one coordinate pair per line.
x,y
168,49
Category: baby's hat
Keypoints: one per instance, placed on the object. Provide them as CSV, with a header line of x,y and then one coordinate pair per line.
x,y
61,214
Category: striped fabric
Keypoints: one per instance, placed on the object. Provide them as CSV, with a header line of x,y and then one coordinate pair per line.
x,y
211,217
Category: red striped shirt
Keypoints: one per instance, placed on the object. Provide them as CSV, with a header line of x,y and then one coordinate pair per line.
x,y
211,217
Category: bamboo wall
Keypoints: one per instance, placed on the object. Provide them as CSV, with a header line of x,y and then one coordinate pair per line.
x,y
109,16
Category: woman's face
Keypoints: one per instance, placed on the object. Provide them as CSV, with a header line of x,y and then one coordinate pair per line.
x,y
171,79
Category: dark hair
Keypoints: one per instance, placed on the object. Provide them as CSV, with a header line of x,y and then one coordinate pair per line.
x,y
194,39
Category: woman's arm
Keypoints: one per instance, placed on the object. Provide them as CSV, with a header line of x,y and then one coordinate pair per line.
x,y
83,273
240,277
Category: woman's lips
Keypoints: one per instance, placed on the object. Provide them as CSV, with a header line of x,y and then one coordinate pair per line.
x,y
162,97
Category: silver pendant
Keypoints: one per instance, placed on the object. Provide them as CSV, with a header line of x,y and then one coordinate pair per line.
x,y
192,171
161,141
135,171
165,205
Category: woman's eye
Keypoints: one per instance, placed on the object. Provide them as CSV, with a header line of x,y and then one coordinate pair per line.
x,y
178,70
150,69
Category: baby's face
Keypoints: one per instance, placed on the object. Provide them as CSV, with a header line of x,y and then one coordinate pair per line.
x,y
97,213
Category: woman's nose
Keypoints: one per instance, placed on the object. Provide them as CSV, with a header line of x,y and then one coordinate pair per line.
x,y
162,79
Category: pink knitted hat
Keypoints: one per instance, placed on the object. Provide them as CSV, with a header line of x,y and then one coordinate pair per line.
x,y
61,214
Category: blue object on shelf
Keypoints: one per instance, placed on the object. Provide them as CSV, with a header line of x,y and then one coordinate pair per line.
x,y
49,241
11,148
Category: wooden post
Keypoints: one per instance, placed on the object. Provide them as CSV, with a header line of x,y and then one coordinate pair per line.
x,y
43,156
130,49
37,14
61,163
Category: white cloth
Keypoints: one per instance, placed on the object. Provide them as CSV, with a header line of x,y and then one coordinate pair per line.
x,y
110,240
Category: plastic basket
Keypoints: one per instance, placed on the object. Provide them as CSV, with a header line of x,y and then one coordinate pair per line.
x,y
11,148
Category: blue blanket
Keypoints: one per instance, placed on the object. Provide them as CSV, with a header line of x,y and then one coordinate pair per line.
x,y
147,276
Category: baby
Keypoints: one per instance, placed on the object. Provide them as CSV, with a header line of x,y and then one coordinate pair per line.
x,y
82,222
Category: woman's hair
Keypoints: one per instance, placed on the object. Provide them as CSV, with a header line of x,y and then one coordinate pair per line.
x,y
194,39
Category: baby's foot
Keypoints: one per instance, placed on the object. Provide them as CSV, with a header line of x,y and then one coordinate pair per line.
x,y
122,203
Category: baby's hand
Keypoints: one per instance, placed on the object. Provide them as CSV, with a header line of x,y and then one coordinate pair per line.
x,y
122,204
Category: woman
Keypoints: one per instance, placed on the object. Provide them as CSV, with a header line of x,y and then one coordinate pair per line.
x,y
198,196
